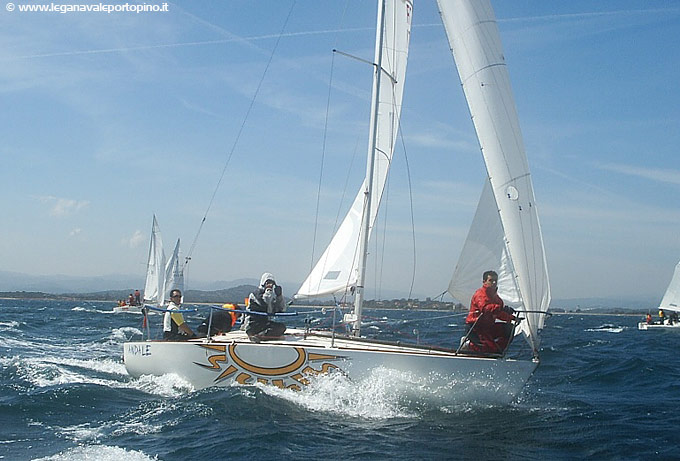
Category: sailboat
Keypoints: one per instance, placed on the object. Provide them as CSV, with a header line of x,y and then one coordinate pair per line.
x,y
505,235
161,275
669,303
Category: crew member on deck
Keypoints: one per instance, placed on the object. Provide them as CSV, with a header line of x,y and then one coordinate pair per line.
x,y
488,324
222,321
662,316
267,298
174,326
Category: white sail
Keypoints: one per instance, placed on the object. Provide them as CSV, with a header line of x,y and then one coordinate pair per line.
x,y
671,299
475,42
174,273
155,268
336,270
484,248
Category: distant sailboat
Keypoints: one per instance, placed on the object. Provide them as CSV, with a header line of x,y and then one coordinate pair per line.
x,y
161,276
505,236
669,303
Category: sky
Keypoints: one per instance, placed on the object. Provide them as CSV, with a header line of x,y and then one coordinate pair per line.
x,y
227,110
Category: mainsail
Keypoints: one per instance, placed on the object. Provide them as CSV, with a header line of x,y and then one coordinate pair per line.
x,y
671,299
154,288
475,42
336,271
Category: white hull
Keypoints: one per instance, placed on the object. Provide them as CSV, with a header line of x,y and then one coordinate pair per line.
x,y
295,361
656,326
133,309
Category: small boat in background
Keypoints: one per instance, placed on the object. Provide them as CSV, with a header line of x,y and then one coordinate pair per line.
x,y
669,303
161,276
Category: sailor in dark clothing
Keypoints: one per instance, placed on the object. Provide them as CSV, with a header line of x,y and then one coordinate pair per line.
x,y
222,321
267,298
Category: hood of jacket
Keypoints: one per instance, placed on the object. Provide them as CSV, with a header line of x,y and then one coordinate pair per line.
x,y
266,276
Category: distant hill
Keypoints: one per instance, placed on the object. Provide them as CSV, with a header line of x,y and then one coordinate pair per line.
x,y
113,286
116,286
606,303
227,295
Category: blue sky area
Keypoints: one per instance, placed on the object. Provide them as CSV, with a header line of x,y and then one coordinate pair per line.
x,y
106,119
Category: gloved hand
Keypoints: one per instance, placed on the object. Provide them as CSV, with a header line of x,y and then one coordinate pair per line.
x,y
509,309
277,290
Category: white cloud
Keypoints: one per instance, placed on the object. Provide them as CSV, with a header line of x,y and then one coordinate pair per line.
x,y
135,240
653,174
64,206
75,232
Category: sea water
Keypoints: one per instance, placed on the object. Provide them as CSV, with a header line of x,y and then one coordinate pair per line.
x,y
603,390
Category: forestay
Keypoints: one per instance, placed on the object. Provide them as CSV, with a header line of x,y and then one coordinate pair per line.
x,y
336,270
475,41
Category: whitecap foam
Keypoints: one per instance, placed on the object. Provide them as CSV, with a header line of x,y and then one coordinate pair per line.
x,y
138,422
168,385
335,393
120,335
100,453
11,325
607,328
386,393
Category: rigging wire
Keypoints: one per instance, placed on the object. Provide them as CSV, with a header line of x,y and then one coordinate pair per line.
x,y
238,135
325,137
413,222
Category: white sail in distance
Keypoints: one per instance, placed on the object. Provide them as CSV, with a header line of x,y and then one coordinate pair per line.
x,y
155,268
671,299
475,42
174,273
336,270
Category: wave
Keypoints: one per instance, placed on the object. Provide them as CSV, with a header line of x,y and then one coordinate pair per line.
x,y
100,453
168,385
12,325
44,372
609,328
388,394
373,398
120,335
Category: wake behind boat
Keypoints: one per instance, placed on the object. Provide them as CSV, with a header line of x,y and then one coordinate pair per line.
x,y
505,235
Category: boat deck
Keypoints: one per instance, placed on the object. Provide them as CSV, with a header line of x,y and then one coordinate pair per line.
x,y
656,326
324,339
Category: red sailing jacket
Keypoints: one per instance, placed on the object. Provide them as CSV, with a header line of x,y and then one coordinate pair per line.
x,y
486,300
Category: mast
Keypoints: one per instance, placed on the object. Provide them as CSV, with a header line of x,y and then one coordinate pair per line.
x,y
368,184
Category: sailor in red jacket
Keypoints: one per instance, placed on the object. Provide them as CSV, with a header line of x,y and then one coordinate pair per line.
x,y
486,307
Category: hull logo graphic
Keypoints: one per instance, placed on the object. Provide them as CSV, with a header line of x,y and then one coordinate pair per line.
x,y
289,372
